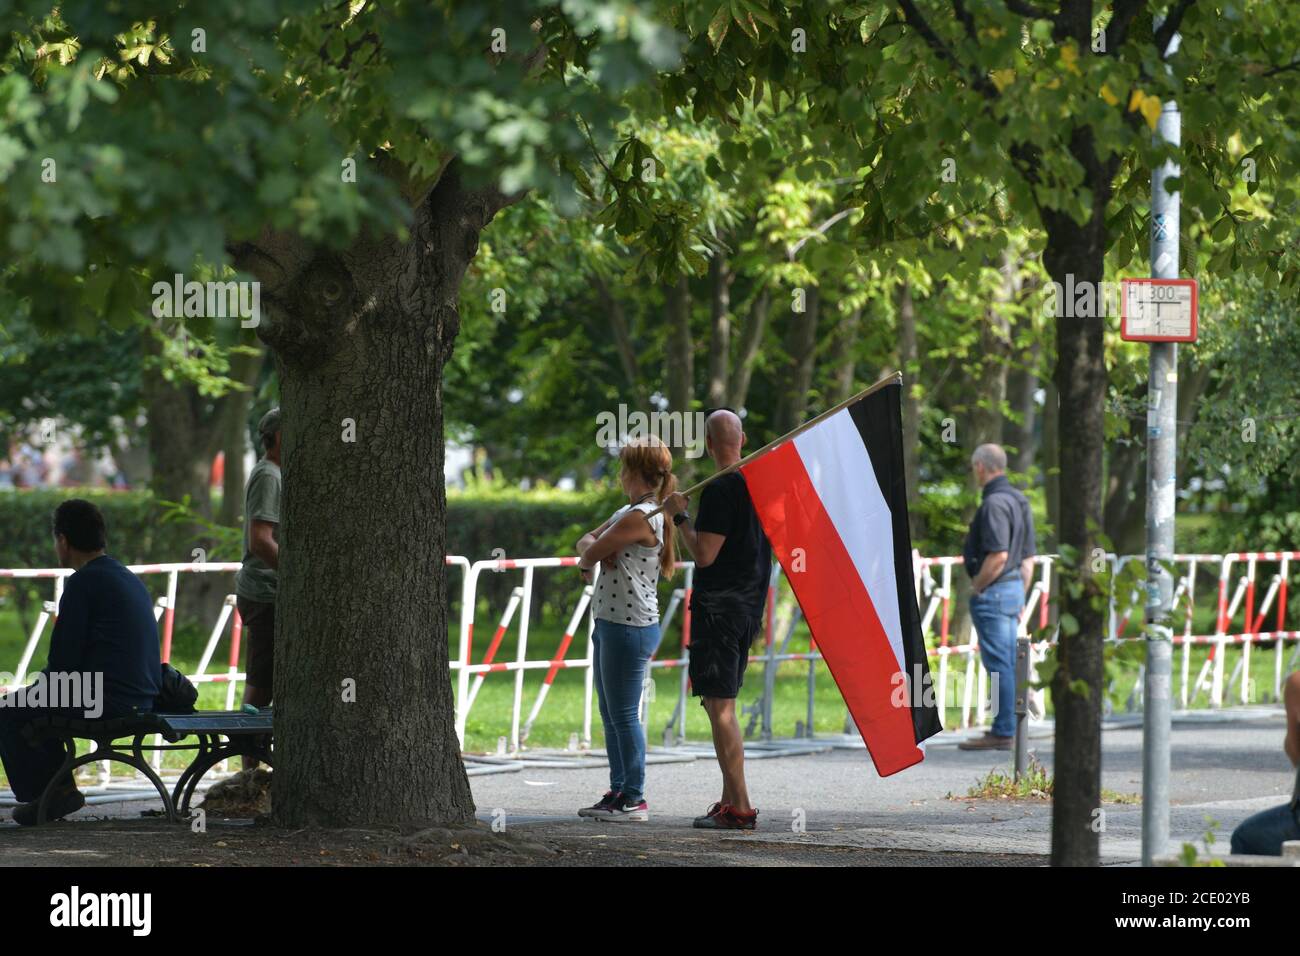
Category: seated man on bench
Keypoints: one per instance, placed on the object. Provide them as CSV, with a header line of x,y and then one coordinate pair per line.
x,y
104,646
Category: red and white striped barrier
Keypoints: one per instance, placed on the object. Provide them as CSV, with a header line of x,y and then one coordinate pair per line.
x,y
1257,603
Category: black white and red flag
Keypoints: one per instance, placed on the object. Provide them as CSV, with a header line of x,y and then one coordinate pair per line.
x,y
833,501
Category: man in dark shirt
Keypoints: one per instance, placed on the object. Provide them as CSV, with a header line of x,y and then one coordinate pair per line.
x,y
105,637
733,565
999,557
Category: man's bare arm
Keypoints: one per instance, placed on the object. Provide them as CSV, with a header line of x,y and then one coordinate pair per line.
x,y
1027,572
994,563
261,541
703,545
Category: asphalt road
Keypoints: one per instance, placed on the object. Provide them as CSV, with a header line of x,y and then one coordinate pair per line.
x,y
1222,770
826,808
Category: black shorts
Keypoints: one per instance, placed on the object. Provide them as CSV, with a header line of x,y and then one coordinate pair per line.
x,y
720,645
259,631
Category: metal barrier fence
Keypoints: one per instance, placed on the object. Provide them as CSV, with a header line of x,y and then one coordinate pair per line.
x,y
961,683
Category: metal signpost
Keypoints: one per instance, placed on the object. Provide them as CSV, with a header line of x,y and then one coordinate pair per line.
x,y
1162,311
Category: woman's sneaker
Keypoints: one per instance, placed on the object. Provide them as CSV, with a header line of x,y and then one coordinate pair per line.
x,y
703,822
626,809
600,809
728,818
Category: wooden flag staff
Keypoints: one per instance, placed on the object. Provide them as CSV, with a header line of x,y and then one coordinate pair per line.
x,y
893,378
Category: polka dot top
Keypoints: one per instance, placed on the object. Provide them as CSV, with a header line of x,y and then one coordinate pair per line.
x,y
627,595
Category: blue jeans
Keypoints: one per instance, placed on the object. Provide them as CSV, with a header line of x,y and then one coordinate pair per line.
x,y
1264,833
622,654
996,615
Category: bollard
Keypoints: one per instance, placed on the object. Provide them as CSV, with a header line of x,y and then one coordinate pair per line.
x,y
1022,706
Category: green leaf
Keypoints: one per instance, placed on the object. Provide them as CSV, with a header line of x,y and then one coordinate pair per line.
x,y
719,25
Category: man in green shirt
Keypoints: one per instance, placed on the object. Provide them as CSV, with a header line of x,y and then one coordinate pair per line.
x,y
255,583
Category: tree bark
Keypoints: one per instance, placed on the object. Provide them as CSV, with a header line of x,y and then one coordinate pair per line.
x,y
720,279
361,338
1081,381
1051,460
751,341
909,362
233,435
846,344
801,349
620,328
1020,433
995,352
680,373
178,441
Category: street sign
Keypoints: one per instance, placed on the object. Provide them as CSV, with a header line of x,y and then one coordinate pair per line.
x,y
1158,310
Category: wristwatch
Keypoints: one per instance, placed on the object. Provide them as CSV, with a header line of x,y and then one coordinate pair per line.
x,y
681,517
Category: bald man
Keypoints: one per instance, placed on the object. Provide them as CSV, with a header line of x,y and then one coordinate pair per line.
x,y
733,562
999,557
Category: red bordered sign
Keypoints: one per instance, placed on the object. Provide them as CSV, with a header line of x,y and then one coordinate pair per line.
x,y
1158,310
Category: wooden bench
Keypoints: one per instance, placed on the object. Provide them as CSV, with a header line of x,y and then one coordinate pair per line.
x,y
221,734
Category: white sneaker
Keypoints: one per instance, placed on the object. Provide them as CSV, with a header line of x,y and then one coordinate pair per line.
x,y
625,810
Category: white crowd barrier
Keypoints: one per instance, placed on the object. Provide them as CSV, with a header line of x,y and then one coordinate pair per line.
x,y
1251,610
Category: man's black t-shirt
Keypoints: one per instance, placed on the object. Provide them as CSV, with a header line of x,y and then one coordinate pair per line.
x,y
736,581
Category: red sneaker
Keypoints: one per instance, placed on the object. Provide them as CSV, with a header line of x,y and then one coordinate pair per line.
x,y
712,812
728,818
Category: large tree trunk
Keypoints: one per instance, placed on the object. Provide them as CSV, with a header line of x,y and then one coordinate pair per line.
x,y
1077,685
361,338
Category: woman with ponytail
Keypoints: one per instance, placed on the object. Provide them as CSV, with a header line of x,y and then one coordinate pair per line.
x,y
633,549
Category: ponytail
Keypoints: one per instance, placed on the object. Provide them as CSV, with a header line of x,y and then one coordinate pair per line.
x,y
651,460
668,556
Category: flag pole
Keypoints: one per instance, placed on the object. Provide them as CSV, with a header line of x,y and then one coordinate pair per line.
x,y
893,378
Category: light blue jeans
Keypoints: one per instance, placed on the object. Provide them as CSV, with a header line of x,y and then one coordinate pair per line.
x,y
622,654
996,616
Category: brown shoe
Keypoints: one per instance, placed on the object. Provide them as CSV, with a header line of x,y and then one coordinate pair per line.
x,y
987,742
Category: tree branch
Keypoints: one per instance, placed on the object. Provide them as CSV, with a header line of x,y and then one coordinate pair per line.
x,y
1170,26
914,19
966,19
1120,21
1027,10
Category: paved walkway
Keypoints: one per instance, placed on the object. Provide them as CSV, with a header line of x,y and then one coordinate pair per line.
x,y
825,808
1224,770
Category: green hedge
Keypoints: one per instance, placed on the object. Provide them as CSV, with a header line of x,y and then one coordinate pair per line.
x,y
136,532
